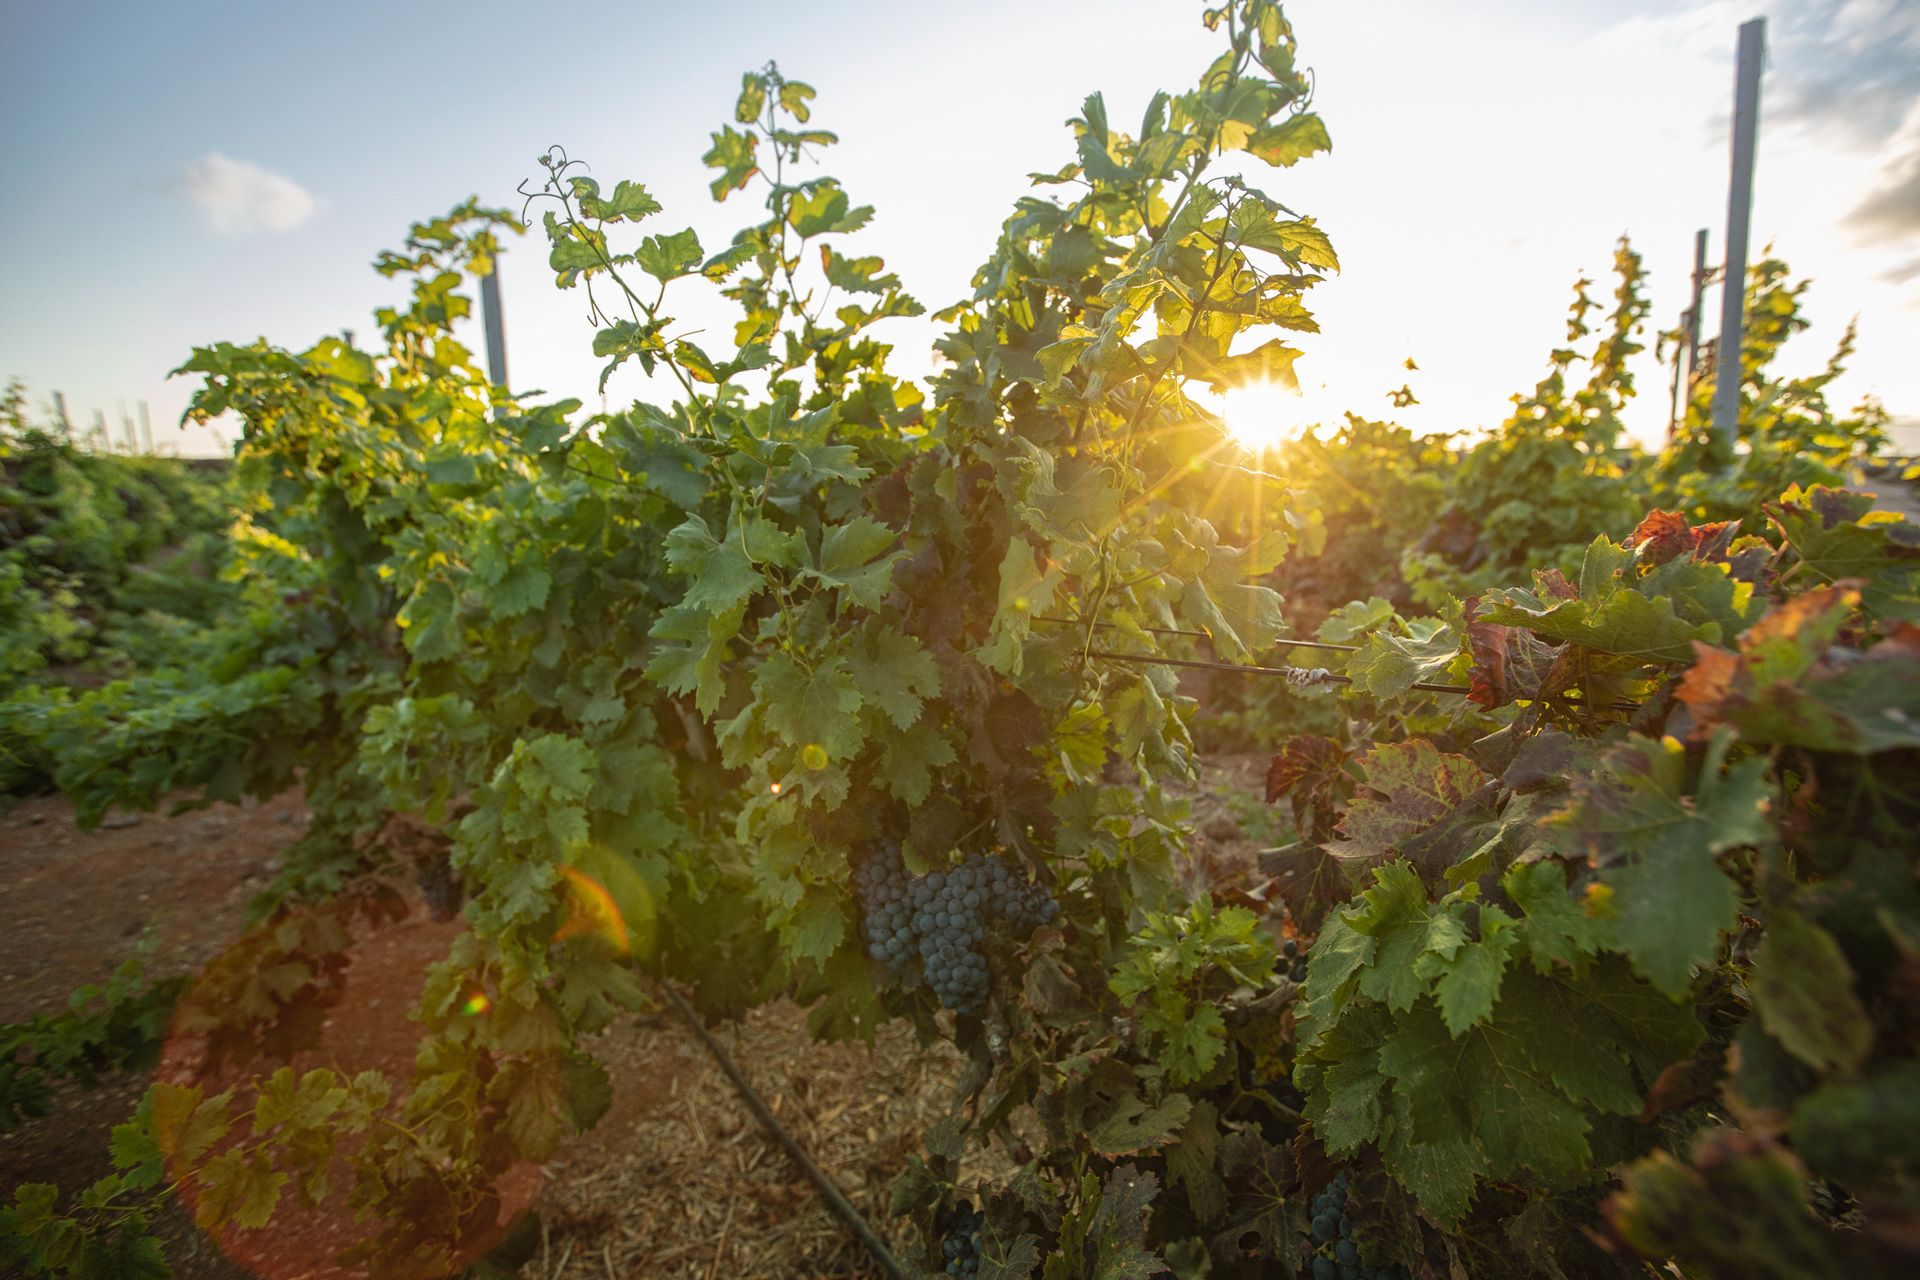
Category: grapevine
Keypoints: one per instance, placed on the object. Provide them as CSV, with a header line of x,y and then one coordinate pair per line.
x,y
1588,938
1335,1256
960,1247
943,918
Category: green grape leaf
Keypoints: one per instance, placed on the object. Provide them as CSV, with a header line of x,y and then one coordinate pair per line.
x,y
1442,1175
1467,983
722,576
1133,1126
1606,613
1118,1227
1590,1032
1406,929
185,1126
1189,1045
803,706
1346,1105
136,1154
825,209
130,1254
1789,685
1671,900
302,1102
696,648
1240,618
1555,931
521,589
1270,362
1192,1161
1056,358
856,275
1803,991
430,622
537,1103
1838,535
1388,665
1481,1089
910,759
238,1188
895,673
1025,590
1290,141
854,558
1299,241
1355,619
1411,791
816,927
669,257
628,203
733,154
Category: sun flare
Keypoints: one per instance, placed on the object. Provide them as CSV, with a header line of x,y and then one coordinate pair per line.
x,y
1263,415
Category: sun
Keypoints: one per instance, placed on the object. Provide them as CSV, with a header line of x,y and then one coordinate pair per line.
x,y
1261,416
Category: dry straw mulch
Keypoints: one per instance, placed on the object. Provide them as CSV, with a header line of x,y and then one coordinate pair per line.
x,y
679,1181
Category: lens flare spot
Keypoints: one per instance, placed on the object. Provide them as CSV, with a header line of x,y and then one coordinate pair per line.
x,y
592,912
610,900
774,787
814,756
476,1004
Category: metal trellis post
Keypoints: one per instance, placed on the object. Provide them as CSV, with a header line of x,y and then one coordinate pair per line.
x,y
490,310
1693,309
1733,277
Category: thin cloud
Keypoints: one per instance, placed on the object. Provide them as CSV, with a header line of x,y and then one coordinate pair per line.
x,y
1890,211
1846,65
237,197
1902,273
1843,71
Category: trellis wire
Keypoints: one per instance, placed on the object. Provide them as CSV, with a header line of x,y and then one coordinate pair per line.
x,y
1297,676
1292,675
1201,635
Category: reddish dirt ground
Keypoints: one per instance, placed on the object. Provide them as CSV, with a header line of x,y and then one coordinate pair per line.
x,y
675,1181
73,905
75,902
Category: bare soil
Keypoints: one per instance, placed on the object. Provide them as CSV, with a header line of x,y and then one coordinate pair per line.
x,y
676,1181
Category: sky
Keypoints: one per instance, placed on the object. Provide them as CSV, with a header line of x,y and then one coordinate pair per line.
x,y
198,171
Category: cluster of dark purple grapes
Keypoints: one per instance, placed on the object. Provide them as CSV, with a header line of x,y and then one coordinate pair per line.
x,y
1296,963
960,1247
440,887
941,919
1334,1255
